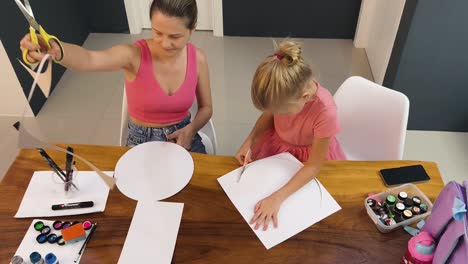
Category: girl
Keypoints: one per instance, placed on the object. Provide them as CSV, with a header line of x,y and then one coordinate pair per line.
x,y
162,75
299,117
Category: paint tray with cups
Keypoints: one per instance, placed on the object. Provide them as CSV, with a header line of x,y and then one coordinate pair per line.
x,y
45,236
397,207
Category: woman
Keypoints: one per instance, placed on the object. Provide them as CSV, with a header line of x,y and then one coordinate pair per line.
x,y
162,75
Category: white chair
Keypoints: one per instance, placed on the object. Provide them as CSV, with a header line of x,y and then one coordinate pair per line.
x,y
124,120
373,120
207,132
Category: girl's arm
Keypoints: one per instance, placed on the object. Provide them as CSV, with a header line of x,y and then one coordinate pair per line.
x,y
268,208
264,122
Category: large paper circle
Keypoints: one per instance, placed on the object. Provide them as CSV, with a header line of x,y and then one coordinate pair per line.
x,y
153,171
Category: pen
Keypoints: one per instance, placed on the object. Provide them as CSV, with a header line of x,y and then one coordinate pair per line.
x,y
54,166
86,242
68,168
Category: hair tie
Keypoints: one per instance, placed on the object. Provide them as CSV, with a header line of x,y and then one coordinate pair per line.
x,y
278,56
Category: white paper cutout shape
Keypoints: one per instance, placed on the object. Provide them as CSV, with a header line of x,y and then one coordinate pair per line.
x,y
153,233
153,171
261,178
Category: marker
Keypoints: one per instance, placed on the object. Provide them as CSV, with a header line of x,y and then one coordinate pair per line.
x,y
86,204
402,196
86,242
54,166
416,201
68,168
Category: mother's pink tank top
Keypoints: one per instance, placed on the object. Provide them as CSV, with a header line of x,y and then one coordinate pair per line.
x,y
148,102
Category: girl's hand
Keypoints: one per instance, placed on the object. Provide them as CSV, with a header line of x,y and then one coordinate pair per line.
x,y
183,136
265,211
242,153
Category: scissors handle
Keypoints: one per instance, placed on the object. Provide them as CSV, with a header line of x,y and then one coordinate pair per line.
x,y
47,38
32,33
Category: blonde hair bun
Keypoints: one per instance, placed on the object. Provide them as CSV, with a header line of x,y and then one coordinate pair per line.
x,y
289,51
280,78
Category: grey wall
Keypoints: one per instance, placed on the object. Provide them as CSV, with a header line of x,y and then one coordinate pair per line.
x,y
70,20
293,18
106,16
60,18
429,64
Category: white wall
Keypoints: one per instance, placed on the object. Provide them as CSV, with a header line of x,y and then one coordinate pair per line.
x,y
12,99
376,31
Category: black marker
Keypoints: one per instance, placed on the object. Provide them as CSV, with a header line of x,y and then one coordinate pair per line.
x,y
86,242
72,205
68,168
52,163
54,166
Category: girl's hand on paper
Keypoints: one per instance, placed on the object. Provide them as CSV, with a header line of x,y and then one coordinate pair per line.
x,y
243,152
183,136
265,211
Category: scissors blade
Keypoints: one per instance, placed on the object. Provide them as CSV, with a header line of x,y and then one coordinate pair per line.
x,y
246,158
242,172
27,14
240,175
27,5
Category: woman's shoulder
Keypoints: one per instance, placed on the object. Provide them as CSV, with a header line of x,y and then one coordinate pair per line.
x,y
202,62
201,57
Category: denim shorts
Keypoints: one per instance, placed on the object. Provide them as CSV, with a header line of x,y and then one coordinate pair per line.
x,y
140,134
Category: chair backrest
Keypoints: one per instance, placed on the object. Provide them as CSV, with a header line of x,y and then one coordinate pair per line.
x,y
124,120
207,133
373,120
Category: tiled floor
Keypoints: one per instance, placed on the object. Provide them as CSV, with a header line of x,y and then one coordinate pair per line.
x,y
86,107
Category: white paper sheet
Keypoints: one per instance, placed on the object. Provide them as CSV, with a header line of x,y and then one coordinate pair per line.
x,y
46,189
153,171
65,254
262,178
153,233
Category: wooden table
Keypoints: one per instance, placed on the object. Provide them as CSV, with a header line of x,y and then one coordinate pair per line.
x,y
212,230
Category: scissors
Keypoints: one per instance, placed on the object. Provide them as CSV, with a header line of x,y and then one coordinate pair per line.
x,y
246,158
33,27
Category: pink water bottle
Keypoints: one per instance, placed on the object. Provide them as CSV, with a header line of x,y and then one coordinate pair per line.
x,y
420,249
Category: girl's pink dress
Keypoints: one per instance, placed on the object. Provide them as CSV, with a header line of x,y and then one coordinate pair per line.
x,y
295,133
